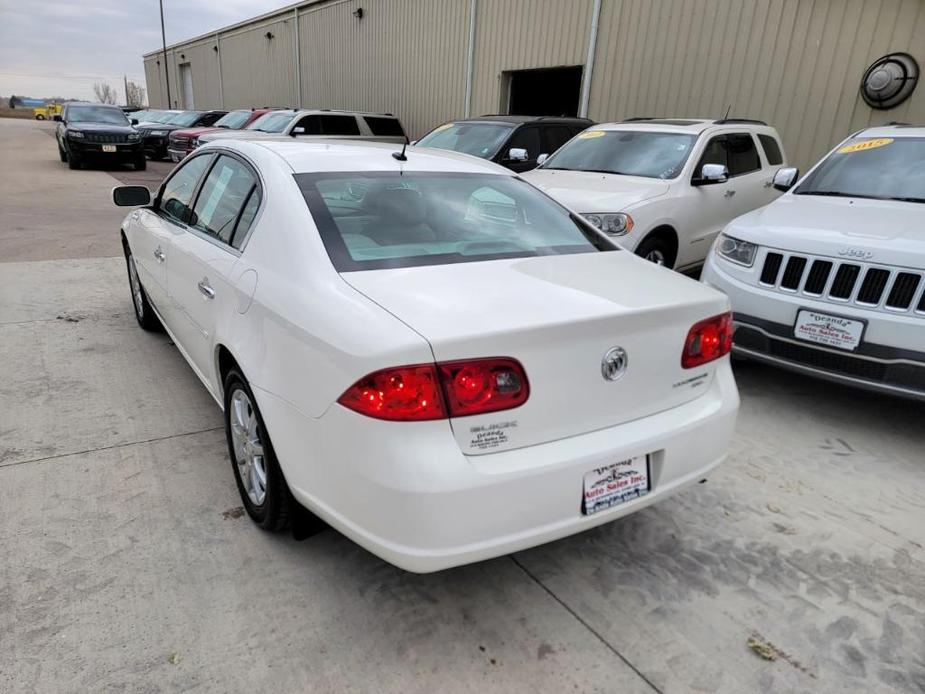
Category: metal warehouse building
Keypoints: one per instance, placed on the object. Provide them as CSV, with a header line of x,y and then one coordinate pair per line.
x,y
798,64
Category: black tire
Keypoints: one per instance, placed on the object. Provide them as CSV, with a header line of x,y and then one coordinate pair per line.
x,y
144,314
61,153
141,163
657,250
73,163
273,511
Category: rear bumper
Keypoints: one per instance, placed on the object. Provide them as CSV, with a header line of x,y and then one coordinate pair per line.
x,y
407,493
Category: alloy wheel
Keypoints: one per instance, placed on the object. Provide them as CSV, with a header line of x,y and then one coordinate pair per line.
x,y
248,447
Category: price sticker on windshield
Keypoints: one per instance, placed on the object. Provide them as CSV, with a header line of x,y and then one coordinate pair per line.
x,y
590,134
865,145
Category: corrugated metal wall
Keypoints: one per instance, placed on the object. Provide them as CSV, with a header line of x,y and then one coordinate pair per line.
x,y
404,56
795,63
523,34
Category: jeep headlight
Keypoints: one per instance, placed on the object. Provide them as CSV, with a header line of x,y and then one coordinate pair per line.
x,y
737,250
74,133
194,143
616,223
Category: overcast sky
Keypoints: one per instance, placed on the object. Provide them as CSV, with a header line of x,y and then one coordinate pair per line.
x,y
61,47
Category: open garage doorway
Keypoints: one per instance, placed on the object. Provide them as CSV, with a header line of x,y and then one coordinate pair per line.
x,y
544,92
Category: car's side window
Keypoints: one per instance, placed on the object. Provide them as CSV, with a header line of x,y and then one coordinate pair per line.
x,y
713,153
312,124
339,125
742,153
177,195
528,139
246,218
556,136
771,150
222,197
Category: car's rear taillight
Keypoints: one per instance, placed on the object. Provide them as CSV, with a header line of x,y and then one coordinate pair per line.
x,y
437,391
476,386
707,340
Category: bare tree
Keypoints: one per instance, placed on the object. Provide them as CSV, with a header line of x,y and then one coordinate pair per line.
x,y
105,93
134,94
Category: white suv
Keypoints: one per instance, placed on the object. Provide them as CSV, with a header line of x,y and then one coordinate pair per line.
x,y
665,188
318,123
829,280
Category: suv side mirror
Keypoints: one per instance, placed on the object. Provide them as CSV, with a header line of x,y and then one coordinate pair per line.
x,y
711,174
785,178
134,121
517,154
56,117
297,131
131,196
542,158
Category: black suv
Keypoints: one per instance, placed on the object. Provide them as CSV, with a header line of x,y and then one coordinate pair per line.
x,y
512,141
154,136
97,132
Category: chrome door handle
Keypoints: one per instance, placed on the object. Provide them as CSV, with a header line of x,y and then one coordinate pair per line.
x,y
205,288
159,255
729,193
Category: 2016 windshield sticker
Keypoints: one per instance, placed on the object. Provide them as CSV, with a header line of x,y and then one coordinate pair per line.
x,y
865,145
490,436
590,134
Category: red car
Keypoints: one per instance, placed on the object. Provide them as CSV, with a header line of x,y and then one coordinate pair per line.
x,y
182,142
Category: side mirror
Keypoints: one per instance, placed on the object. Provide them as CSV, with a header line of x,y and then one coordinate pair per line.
x,y
131,196
134,121
711,174
785,178
542,159
56,117
297,131
517,154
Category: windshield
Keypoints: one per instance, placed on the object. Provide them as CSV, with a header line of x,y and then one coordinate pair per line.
x,y
161,116
233,120
96,114
272,122
372,220
479,139
627,152
883,168
186,118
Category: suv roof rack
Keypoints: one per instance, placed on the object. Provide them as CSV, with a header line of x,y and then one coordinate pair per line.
x,y
639,118
724,121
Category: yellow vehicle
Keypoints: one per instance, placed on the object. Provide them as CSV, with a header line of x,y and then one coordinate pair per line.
x,y
46,112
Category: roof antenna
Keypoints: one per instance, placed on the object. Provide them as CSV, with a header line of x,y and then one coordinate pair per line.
x,y
401,155
728,109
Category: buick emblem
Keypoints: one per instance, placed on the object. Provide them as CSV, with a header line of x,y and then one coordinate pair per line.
x,y
613,365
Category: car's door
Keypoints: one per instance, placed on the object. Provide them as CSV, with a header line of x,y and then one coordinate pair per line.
x,y
706,207
747,175
205,253
527,138
154,228
773,160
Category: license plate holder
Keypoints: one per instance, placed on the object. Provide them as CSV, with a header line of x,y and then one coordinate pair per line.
x,y
615,484
829,330
109,148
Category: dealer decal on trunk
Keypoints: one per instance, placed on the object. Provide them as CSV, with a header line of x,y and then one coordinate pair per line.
x,y
488,436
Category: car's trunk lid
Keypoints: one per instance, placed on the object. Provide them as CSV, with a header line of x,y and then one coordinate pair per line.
x,y
559,316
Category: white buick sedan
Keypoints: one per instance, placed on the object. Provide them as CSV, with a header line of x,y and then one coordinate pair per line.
x,y
425,351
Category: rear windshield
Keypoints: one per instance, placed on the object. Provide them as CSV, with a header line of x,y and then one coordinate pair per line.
x,y
478,139
627,152
233,120
373,220
272,122
96,114
883,168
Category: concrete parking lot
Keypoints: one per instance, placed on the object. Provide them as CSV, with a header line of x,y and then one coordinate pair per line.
x,y
128,565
